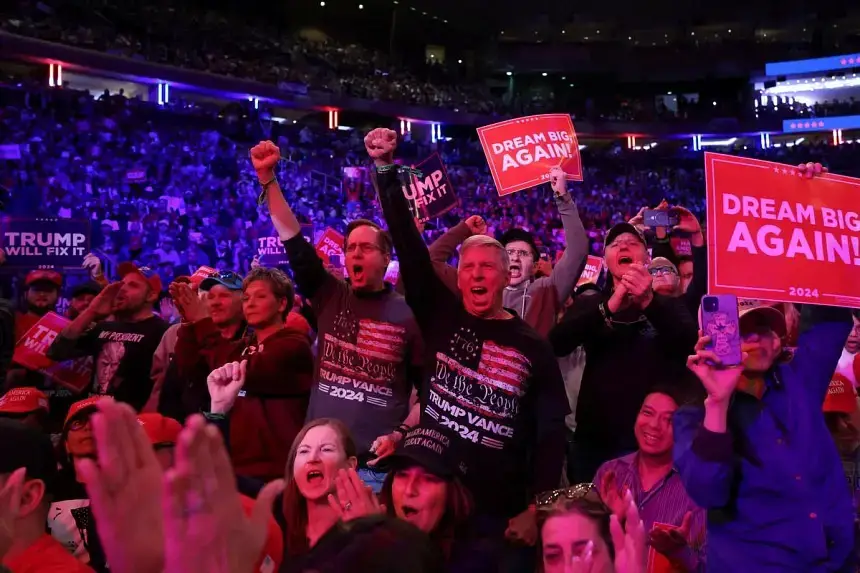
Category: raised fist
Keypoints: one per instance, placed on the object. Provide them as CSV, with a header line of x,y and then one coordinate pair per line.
x,y
264,156
477,225
93,265
380,144
224,384
558,181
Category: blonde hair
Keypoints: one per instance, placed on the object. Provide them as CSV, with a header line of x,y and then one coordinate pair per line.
x,y
485,241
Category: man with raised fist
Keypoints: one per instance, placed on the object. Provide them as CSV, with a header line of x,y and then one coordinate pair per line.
x,y
494,380
370,349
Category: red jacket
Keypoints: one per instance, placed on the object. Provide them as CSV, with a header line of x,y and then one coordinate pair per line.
x,y
264,422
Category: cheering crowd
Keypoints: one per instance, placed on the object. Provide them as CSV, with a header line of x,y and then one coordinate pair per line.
x,y
485,413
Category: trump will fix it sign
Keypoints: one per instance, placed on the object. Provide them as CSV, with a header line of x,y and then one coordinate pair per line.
x,y
520,152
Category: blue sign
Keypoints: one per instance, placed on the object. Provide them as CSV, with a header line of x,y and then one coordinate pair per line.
x,y
271,251
821,123
831,63
45,243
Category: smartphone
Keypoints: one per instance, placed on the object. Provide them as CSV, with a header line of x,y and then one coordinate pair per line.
x,y
336,261
655,218
721,322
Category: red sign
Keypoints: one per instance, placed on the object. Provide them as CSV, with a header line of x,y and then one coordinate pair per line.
x,y
659,563
30,352
591,272
775,235
682,246
520,152
331,243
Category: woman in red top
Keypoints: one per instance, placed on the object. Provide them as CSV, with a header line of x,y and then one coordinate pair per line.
x,y
271,410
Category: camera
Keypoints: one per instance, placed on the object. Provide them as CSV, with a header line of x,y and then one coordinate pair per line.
x,y
711,304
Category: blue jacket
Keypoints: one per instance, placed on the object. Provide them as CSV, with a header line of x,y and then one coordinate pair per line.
x,y
773,484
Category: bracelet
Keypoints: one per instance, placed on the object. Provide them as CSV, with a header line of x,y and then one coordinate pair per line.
x,y
402,169
402,429
262,198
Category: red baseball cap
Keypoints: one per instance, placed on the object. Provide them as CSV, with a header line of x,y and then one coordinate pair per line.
x,y
44,276
23,401
147,273
81,406
273,549
161,430
841,396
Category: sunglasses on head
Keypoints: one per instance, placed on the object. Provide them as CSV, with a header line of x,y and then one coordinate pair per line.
x,y
573,493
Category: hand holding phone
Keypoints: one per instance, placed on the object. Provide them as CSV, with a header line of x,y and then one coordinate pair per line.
x,y
660,218
721,322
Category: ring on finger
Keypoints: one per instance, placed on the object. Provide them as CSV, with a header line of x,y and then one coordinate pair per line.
x,y
347,506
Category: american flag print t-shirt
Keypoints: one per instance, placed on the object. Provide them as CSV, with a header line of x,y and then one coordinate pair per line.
x,y
491,383
361,354
477,389
365,344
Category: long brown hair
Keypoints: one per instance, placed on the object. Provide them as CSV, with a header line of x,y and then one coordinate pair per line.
x,y
295,506
458,509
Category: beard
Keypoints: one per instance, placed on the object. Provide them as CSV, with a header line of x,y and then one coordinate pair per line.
x,y
39,310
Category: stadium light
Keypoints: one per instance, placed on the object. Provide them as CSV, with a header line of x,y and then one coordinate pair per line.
x,y
814,86
716,142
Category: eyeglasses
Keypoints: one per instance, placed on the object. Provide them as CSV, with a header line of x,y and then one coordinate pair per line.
x,y
365,248
573,493
519,253
662,271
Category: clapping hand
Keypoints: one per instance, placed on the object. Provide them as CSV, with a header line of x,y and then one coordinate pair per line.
x,y
187,302
629,539
638,281
205,525
224,385
354,499
124,487
612,496
668,540
380,144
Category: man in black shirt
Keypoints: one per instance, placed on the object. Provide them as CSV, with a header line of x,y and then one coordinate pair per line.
x,y
489,377
634,339
122,348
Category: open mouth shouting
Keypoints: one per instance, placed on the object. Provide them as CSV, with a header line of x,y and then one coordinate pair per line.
x,y
516,270
358,274
315,477
408,511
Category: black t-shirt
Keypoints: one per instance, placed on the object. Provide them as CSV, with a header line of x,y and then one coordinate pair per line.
x,y
71,522
122,355
495,383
